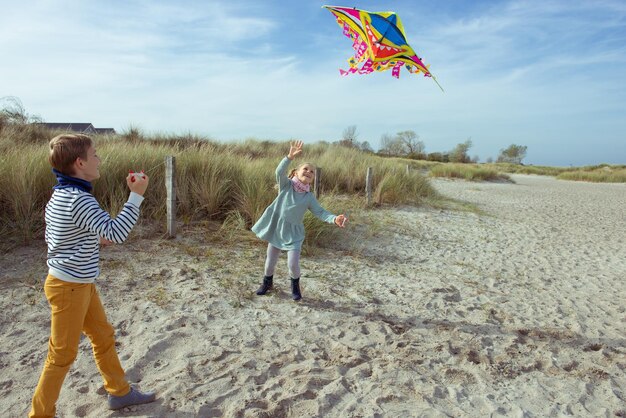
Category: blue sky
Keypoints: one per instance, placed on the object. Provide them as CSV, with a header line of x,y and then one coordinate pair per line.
x,y
550,75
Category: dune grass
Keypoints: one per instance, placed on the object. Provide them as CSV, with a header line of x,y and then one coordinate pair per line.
x,y
215,181
25,187
526,169
597,174
472,172
601,173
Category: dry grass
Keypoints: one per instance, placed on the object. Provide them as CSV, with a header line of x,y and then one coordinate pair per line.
x,y
601,174
604,173
472,172
526,169
216,182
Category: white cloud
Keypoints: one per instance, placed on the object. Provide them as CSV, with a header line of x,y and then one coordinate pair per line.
x,y
524,72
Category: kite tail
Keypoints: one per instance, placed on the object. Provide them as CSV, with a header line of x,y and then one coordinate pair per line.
x,y
435,80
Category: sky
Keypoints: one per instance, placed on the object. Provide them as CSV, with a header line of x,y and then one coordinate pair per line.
x,y
547,74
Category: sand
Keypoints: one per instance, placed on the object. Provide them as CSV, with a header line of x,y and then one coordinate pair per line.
x,y
514,309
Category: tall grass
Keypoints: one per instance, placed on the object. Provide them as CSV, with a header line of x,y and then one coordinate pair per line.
x,y
26,184
471,172
597,173
254,188
526,169
604,174
215,181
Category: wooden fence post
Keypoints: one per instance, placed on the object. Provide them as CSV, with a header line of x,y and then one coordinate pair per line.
x,y
408,169
318,181
368,186
170,202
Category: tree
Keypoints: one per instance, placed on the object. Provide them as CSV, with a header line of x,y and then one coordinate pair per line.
x,y
391,145
349,134
385,144
411,142
366,147
349,140
514,154
13,112
459,153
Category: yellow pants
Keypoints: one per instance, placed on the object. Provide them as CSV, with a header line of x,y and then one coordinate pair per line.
x,y
75,308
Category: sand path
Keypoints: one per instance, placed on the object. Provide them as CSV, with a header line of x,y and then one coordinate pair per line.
x,y
514,311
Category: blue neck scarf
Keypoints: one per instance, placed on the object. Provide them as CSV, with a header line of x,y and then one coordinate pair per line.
x,y
65,181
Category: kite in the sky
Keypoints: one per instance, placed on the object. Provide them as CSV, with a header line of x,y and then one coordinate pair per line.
x,y
379,42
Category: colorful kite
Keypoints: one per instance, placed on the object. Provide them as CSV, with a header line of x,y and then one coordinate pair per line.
x,y
379,42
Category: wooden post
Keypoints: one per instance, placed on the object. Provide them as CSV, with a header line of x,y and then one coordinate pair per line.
x,y
170,202
368,185
408,169
318,181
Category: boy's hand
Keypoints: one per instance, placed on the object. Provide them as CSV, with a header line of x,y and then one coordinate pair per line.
x,y
104,242
295,149
139,185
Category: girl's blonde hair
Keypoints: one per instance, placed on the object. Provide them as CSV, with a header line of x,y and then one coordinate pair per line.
x,y
293,172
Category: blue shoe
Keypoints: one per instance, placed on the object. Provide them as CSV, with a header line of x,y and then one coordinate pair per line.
x,y
295,289
134,397
267,285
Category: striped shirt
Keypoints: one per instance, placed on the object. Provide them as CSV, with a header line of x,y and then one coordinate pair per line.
x,y
74,224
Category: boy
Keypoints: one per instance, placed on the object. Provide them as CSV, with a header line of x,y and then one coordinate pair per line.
x,y
75,228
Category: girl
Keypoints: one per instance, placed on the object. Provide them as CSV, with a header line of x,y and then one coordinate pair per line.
x,y
281,224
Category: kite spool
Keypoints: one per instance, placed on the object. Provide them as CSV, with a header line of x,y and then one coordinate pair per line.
x,y
134,175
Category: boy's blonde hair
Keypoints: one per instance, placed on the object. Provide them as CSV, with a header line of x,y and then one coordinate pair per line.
x,y
293,172
65,149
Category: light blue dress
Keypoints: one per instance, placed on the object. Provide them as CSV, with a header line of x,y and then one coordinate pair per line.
x,y
281,224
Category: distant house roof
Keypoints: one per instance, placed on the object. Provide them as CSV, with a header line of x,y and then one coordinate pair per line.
x,y
105,131
83,128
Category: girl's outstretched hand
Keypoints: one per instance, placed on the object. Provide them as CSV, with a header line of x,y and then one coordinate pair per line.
x,y
340,220
295,149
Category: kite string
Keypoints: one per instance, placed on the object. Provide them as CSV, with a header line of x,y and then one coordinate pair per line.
x,y
155,167
152,169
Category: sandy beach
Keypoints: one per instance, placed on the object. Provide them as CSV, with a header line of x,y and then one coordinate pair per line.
x,y
516,309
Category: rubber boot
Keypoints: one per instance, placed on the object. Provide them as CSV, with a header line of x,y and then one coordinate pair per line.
x,y
295,289
267,285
